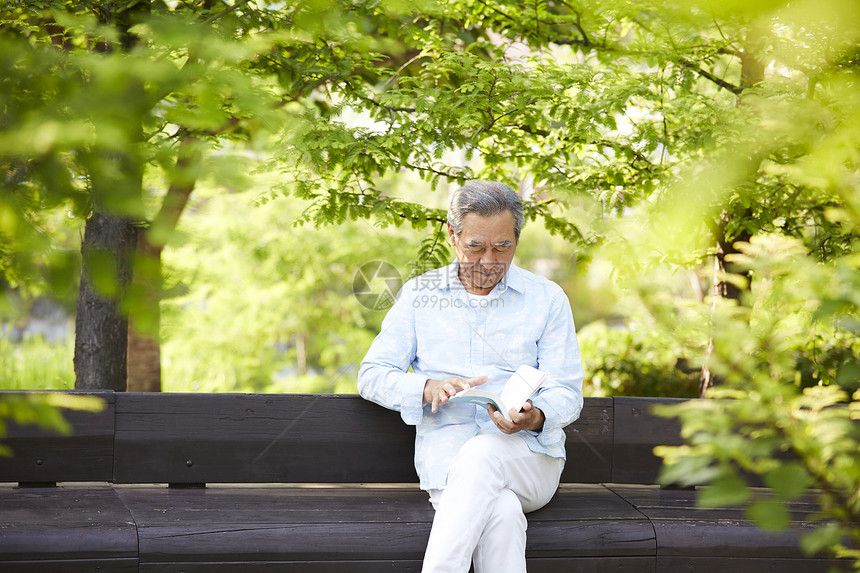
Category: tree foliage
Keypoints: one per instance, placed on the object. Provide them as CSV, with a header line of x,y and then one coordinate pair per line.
x,y
768,423
600,108
262,304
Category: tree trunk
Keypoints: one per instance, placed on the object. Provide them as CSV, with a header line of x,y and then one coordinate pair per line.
x,y
144,340
144,343
101,329
752,74
721,289
144,362
116,179
752,67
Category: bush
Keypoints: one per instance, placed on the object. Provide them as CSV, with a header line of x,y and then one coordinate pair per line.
x,y
37,363
634,360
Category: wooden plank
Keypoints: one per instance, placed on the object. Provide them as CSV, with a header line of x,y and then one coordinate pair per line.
x,y
371,566
724,537
592,565
589,443
586,520
668,503
232,525
685,530
272,506
42,456
587,501
188,438
275,505
248,524
746,565
65,524
72,566
637,431
233,438
581,565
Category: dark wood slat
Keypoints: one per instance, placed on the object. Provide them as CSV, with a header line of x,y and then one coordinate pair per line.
x,y
274,505
723,537
188,438
289,524
585,521
586,501
159,507
637,431
683,529
747,565
233,438
333,566
363,541
589,443
660,503
65,524
592,565
582,565
72,566
299,541
41,456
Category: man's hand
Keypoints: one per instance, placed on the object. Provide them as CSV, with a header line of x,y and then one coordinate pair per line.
x,y
530,418
437,392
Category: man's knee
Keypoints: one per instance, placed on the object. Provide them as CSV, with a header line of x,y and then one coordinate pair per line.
x,y
509,510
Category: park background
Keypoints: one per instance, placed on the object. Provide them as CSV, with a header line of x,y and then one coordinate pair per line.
x,y
197,195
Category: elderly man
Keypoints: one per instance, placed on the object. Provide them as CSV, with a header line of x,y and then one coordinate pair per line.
x,y
475,322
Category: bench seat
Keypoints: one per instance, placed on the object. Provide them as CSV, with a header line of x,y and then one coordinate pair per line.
x,y
265,483
69,529
371,527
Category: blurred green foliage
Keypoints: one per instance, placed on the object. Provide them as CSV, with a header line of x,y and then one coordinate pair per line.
x,y
266,304
36,363
634,359
43,410
768,420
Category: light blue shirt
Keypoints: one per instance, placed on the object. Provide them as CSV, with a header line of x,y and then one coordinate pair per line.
x,y
436,330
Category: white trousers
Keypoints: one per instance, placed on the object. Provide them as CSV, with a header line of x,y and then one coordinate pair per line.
x,y
480,515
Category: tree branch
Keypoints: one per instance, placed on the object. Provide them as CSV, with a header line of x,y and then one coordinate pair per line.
x,y
391,108
224,12
737,90
499,12
181,186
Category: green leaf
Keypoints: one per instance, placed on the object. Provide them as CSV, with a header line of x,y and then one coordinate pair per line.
x,y
826,536
789,480
770,515
727,489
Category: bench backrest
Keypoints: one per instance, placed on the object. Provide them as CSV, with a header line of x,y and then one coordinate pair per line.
x,y
292,438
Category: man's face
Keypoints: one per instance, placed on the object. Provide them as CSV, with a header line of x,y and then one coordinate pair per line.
x,y
485,249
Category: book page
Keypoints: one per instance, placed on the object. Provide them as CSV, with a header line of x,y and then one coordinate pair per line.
x,y
520,386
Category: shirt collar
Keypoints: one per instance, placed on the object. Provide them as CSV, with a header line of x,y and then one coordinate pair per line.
x,y
512,279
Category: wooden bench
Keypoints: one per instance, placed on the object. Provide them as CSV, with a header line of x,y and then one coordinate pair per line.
x,y
198,483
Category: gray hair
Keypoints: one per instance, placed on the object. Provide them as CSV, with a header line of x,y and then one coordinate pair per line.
x,y
484,198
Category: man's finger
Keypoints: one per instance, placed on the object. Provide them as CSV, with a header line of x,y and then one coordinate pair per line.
x,y
476,381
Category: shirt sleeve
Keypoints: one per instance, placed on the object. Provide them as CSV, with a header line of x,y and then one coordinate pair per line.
x,y
560,399
384,376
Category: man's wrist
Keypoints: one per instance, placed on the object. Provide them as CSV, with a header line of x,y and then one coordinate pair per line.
x,y
541,419
426,394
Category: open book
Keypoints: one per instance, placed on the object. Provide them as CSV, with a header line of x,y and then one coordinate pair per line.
x,y
517,390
